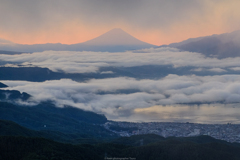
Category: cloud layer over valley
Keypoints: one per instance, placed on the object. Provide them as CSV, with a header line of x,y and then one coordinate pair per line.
x,y
124,95
87,62
121,96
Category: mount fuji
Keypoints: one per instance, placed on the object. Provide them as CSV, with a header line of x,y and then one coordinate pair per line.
x,y
115,40
116,37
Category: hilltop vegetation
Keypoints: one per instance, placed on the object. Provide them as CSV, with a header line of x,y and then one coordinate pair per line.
x,y
167,149
8,128
48,118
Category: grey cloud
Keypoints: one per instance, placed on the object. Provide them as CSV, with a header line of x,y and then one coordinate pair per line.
x,y
107,72
219,70
87,62
235,68
28,15
170,90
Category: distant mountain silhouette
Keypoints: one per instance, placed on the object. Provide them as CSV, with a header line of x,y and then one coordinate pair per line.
x,y
9,52
219,46
116,40
116,37
9,95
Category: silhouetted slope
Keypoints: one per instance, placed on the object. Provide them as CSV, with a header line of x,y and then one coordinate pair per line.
x,y
8,128
220,46
47,117
116,37
167,149
16,148
3,85
28,73
9,52
115,40
9,95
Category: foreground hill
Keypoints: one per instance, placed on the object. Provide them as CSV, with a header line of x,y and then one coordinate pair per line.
x,y
66,123
47,117
167,149
9,128
220,46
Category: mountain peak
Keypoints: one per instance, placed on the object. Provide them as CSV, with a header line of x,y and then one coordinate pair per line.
x,y
116,31
116,37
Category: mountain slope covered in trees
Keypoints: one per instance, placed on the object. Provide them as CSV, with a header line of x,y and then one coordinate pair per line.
x,y
167,149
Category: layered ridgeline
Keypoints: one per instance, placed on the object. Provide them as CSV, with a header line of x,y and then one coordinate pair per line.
x,y
116,40
37,74
220,46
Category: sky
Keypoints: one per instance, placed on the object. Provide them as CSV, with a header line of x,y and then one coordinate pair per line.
x,y
154,21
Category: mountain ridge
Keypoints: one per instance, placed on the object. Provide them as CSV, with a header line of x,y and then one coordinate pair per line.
x,y
218,45
115,40
109,38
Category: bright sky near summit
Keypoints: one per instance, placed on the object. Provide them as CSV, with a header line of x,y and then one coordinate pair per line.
x,y
154,21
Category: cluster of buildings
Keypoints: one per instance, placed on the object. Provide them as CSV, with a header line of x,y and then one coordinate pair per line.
x,y
228,132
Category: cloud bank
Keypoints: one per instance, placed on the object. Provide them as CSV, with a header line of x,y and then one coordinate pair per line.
x,y
87,62
124,96
121,96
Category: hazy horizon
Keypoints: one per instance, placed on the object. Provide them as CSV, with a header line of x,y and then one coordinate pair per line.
x,y
154,22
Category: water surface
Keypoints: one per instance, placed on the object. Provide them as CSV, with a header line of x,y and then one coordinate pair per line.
x,y
204,113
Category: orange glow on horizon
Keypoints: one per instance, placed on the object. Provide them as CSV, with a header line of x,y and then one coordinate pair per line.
x,y
72,33
156,38
213,18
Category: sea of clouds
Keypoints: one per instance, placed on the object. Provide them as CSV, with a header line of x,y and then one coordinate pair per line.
x,y
121,96
102,96
87,62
